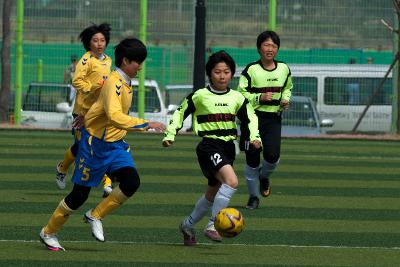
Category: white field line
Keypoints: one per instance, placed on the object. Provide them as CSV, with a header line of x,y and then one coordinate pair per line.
x,y
209,244
345,157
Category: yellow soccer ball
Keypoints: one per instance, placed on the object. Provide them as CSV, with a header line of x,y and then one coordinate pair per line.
x,y
229,222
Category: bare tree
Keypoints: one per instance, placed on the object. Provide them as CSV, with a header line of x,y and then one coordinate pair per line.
x,y
396,58
5,62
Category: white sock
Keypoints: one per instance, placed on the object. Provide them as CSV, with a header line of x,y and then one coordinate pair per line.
x,y
252,176
200,210
221,199
267,169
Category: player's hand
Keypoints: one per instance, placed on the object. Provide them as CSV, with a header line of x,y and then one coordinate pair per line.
x,y
266,97
285,104
101,83
157,126
256,144
167,143
78,122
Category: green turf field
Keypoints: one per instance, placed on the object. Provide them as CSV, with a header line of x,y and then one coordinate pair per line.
x,y
333,203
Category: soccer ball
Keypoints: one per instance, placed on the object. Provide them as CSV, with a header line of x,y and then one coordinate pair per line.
x,y
229,222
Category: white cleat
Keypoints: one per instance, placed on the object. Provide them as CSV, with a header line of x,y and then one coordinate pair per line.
x,y
60,177
211,233
51,241
97,226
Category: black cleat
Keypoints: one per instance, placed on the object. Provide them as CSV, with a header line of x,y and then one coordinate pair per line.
x,y
252,203
265,187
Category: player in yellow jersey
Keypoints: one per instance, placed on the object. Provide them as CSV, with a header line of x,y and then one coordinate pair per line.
x,y
90,73
102,148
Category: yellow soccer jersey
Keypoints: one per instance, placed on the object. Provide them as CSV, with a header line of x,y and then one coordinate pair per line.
x,y
107,119
88,79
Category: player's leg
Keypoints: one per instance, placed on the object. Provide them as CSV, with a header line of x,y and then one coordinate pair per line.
x,y
69,157
129,183
252,174
271,152
203,205
216,163
66,207
116,158
221,195
94,158
201,209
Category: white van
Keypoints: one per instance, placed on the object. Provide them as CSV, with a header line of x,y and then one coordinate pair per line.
x,y
341,92
49,105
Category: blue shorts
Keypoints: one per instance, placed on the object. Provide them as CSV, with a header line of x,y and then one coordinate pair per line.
x,y
97,157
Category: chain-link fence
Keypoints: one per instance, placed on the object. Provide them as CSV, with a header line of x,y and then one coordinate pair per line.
x,y
311,31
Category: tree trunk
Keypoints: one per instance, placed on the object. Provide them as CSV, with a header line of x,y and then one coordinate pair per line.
x,y
5,89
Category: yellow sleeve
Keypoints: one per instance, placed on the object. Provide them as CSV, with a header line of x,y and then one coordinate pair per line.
x,y
80,82
113,108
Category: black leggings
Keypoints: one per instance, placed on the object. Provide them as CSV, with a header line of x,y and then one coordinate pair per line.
x,y
74,149
270,125
129,183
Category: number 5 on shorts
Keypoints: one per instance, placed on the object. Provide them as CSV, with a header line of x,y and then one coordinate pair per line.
x,y
86,174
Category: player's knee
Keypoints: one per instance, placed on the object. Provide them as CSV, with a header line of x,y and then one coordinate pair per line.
x,y
272,158
253,159
232,182
77,197
129,180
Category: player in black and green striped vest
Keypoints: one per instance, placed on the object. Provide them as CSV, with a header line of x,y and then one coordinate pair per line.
x,y
267,84
215,109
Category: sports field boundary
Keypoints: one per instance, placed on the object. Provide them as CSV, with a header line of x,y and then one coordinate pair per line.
x,y
362,136
206,244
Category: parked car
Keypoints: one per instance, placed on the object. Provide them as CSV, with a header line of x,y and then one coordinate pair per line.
x,y
302,118
49,105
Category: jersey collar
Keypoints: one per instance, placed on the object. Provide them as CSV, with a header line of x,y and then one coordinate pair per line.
x,y
124,76
212,90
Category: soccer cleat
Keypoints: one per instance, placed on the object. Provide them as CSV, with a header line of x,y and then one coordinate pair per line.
x,y
265,187
253,203
107,190
97,226
60,177
189,235
212,234
51,241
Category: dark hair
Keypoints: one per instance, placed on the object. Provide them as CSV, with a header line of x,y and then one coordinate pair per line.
x,y
218,57
131,48
268,34
87,34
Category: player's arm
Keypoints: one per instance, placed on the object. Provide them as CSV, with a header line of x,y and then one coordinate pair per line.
x,y
80,81
249,120
176,122
244,86
112,96
287,92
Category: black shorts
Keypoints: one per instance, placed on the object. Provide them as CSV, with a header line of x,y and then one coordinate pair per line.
x,y
212,155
